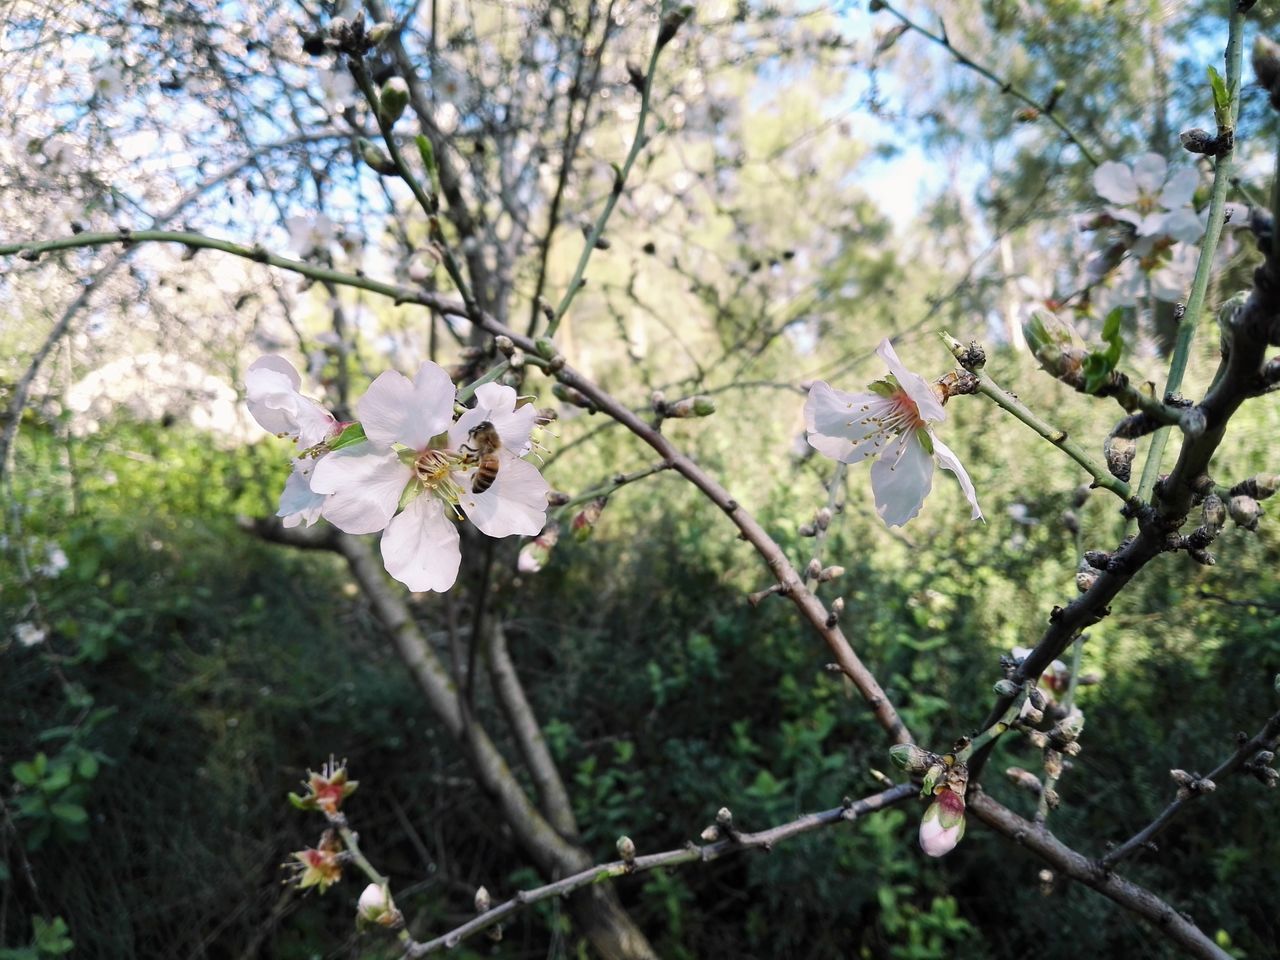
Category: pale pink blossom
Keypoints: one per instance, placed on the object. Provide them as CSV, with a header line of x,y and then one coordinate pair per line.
x,y
418,457
271,385
891,423
1155,200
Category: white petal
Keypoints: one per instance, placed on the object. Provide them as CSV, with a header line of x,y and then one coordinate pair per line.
x,y
1180,188
1183,225
1149,171
364,484
315,423
1152,225
397,410
298,502
901,479
846,451
1114,182
496,404
420,546
1126,215
271,392
836,414
950,461
918,388
515,504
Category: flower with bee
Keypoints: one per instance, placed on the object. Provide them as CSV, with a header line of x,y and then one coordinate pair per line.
x,y
419,470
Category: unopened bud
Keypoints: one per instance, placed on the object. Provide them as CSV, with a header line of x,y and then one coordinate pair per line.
x,y
1266,67
392,100
1046,879
626,849
1005,688
1024,780
1051,798
1244,511
672,22
909,757
376,906
1055,343
376,158
822,519
1213,512
483,901
587,518
1198,141
830,573
546,349
711,834
1086,576
379,32
1119,452
724,817
558,498
1069,727
807,530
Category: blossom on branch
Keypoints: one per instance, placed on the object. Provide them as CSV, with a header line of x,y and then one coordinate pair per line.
x,y
942,826
272,386
890,423
417,458
1154,200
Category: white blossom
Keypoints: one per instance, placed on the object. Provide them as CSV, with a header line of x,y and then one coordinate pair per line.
x,y
891,423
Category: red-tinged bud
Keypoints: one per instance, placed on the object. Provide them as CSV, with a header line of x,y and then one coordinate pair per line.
x,y
586,519
942,826
535,554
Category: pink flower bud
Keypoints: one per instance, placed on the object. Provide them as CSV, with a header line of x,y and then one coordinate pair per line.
x,y
943,823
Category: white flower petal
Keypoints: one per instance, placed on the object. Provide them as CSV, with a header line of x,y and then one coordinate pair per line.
x,y
1114,182
839,415
1180,188
1126,215
1149,171
1183,225
950,461
901,479
917,387
298,502
271,384
397,410
420,546
496,404
364,485
515,504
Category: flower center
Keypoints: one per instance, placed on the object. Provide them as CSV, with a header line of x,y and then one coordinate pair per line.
x,y
894,414
434,470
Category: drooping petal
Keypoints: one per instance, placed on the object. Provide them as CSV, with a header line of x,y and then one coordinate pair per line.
x,y
298,502
836,414
496,404
397,410
1149,171
949,461
364,484
420,546
917,387
315,423
515,504
1180,188
1114,181
270,384
901,479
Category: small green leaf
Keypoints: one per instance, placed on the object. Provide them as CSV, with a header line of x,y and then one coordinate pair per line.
x,y
1221,97
25,773
87,766
428,160
352,434
72,813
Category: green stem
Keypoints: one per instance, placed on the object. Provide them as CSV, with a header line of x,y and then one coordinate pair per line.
x,y
493,373
997,729
1009,403
428,203
619,182
1222,176
619,481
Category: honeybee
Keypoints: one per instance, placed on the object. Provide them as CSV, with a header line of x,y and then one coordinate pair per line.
x,y
483,444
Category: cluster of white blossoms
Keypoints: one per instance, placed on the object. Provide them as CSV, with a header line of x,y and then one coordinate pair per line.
x,y
417,470
892,423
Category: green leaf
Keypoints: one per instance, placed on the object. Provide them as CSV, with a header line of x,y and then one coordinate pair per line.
x,y
25,773
1221,97
87,766
428,160
353,433
71,813
1099,364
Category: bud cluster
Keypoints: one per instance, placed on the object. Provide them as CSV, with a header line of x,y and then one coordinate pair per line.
x,y
699,405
